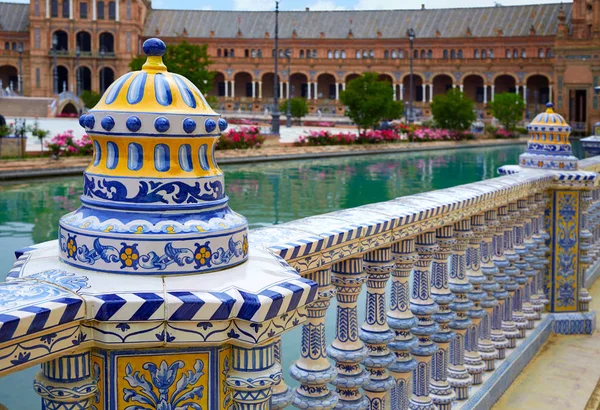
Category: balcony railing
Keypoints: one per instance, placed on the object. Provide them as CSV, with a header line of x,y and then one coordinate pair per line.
x,y
468,304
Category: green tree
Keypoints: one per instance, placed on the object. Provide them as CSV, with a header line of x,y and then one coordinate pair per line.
x,y
453,110
298,107
188,60
508,109
90,98
369,100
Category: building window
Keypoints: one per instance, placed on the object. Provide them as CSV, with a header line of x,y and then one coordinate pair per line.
x,y
429,54
329,54
336,54
483,54
100,10
314,54
112,11
491,53
231,53
416,54
515,53
386,54
453,54
358,54
423,54
83,10
128,10
36,37
218,52
460,54
541,53
246,53
14,46
54,8
7,46
128,42
476,54
549,53
65,9
37,77
523,53
36,8
301,53
446,54
259,53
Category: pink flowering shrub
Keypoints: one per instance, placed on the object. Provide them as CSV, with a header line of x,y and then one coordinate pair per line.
x,y
244,138
313,123
505,134
434,134
65,144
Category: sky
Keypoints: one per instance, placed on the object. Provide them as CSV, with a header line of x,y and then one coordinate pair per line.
x,y
324,4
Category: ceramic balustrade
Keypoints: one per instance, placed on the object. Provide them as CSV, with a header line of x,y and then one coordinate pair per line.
x,y
520,248
509,328
531,297
498,336
585,261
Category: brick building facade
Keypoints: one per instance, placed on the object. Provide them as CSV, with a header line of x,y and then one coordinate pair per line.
x,y
544,52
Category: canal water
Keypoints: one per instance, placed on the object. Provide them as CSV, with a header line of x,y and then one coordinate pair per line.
x,y
267,194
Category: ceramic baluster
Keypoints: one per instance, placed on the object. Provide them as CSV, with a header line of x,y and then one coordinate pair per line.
x,y
519,247
585,244
69,382
402,320
439,389
313,371
508,325
531,297
501,294
544,249
347,350
488,351
473,360
282,394
375,332
540,257
423,306
458,376
254,372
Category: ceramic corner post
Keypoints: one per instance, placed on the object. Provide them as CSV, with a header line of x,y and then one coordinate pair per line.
x,y
153,298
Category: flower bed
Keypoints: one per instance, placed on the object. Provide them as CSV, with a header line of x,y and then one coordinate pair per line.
x,y
244,138
319,124
65,145
242,121
408,133
504,134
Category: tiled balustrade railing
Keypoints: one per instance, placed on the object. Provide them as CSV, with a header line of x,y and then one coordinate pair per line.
x,y
456,281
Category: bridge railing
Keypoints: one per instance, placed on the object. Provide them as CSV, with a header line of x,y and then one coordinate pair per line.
x,y
456,280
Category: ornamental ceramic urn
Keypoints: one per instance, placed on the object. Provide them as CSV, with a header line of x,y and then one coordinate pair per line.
x,y
548,146
153,200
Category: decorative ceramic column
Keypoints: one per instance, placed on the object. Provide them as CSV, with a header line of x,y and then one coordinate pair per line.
x,y
282,394
401,320
375,332
485,94
68,382
537,297
395,94
337,91
424,90
508,326
498,338
253,89
440,390
347,350
492,92
488,351
458,376
308,90
543,249
316,93
520,264
313,371
232,88
423,307
473,360
401,92
260,89
254,372
585,239
226,89
430,92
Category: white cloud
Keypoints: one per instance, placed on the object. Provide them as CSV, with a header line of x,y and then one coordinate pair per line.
x,y
255,5
325,5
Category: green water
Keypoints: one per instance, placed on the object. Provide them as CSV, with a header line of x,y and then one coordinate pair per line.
x,y
266,194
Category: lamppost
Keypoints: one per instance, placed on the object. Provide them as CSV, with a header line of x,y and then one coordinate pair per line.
x,y
275,112
411,38
288,114
78,74
20,51
55,74
102,70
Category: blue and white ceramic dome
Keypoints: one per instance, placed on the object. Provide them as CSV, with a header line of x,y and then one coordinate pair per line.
x,y
154,198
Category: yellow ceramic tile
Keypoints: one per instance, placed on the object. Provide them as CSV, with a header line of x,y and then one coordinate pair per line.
x,y
98,369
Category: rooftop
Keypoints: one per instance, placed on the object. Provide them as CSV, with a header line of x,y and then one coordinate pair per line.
x,y
14,16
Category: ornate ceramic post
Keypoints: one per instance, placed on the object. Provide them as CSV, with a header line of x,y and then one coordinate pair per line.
x,y
254,372
531,297
473,360
347,350
68,382
458,376
508,325
313,371
501,278
548,148
543,249
282,394
520,264
423,306
488,351
375,332
440,390
402,320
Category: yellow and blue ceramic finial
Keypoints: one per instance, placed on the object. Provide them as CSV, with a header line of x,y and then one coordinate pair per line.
x,y
153,197
548,146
